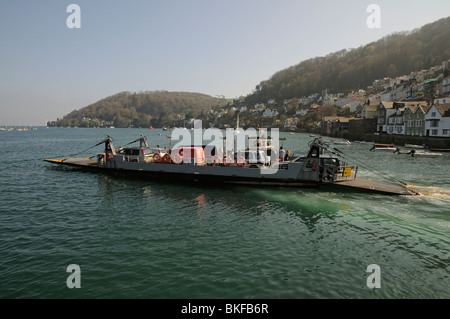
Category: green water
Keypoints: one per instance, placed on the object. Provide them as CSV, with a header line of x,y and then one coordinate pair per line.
x,y
148,239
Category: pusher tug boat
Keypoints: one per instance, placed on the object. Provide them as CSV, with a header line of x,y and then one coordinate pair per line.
x,y
189,163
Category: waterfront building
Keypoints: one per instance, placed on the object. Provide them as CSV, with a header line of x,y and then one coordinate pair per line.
x,y
390,116
414,119
395,122
437,121
384,110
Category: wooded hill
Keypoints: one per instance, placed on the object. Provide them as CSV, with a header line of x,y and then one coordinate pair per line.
x,y
158,108
347,70
339,72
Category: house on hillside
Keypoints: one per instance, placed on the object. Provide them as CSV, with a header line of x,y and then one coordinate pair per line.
x,y
446,86
411,92
442,100
270,113
369,111
430,87
318,109
437,121
291,123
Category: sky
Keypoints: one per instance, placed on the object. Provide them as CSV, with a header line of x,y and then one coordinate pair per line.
x,y
215,47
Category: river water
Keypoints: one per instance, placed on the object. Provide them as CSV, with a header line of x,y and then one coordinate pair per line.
x,y
149,239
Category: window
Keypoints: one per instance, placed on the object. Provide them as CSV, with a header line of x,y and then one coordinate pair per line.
x,y
410,123
419,123
434,132
433,114
434,123
445,132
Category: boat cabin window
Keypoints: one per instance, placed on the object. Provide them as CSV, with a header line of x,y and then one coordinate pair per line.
x,y
131,151
330,161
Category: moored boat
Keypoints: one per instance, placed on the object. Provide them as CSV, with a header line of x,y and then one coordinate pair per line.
x,y
342,142
383,147
418,153
415,146
415,153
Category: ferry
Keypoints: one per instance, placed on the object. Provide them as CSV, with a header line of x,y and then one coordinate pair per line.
x,y
250,167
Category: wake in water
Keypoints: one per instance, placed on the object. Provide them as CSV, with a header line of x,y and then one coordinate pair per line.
x,y
429,191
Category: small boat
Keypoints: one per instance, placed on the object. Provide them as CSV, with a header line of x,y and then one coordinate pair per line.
x,y
338,142
150,128
398,151
415,153
384,147
415,146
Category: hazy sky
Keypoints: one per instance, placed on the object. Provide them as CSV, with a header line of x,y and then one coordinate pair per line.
x,y
215,47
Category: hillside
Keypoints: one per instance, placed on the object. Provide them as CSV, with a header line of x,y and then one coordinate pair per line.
x,y
344,71
347,70
125,109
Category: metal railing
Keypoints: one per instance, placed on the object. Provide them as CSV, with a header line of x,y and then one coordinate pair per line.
x,y
346,172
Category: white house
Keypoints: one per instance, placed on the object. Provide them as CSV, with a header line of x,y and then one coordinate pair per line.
x,y
442,100
270,113
437,120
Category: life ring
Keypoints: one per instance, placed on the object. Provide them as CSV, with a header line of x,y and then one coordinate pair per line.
x,y
157,158
167,158
227,160
216,160
241,161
